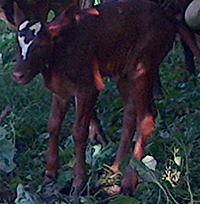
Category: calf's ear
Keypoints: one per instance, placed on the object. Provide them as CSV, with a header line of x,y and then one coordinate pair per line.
x,y
19,15
62,22
54,29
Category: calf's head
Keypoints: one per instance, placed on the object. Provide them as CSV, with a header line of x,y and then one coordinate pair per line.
x,y
33,50
35,44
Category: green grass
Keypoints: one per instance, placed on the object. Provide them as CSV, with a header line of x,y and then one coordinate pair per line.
x,y
24,139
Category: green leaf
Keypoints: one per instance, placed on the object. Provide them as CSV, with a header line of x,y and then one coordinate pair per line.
x,y
65,176
177,160
23,197
145,173
7,151
150,162
124,200
85,200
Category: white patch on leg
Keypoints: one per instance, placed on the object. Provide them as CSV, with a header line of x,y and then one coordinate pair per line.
x,y
24,46
36,28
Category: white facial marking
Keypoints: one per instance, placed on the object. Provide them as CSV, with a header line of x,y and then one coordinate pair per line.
x,y
23,25
22,39
24,46
36,27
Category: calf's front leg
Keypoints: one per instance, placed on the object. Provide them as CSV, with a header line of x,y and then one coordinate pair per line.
x,y
85,107
58,111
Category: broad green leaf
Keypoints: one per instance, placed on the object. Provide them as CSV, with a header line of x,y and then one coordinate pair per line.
x,y
51,16
145,173
150,162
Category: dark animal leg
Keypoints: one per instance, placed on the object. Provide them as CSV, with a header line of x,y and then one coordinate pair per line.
x,y
58,111
96,133
85,105
157,86
129,123
189,59
146,112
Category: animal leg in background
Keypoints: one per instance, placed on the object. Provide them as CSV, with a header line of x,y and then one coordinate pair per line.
x,y
96,133
189,59
58,111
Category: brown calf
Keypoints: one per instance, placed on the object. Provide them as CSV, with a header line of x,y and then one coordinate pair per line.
x,y
38,9
126,41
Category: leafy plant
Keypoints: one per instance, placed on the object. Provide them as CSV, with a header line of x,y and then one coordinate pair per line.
x,y
7,144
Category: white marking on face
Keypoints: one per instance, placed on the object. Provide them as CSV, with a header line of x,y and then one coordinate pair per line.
x,y
36,28
23,25
24,46
22,39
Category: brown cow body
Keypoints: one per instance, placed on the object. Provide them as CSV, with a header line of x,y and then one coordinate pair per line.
x,y
125,41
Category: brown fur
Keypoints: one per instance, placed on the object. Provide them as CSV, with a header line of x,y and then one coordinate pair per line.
x,y
126,41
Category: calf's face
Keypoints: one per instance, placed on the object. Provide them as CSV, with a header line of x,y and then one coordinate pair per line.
x,y
33,51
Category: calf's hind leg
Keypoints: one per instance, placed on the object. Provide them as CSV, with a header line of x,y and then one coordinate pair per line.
x,y
142,96
96,133
129,122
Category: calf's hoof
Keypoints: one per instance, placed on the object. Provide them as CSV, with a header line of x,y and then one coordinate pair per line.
x,y
78,185
129,181
48,177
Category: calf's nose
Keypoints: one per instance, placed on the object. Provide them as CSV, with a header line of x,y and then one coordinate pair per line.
x,y
18,76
